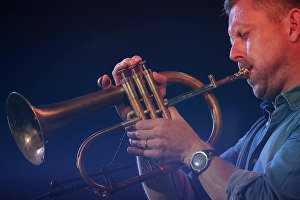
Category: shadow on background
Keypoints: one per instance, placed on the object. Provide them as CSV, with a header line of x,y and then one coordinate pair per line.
x,y
55,50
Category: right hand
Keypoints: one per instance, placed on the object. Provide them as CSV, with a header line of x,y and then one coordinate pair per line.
x,y
123,108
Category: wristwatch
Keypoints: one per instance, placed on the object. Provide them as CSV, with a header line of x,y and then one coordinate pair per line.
x,y
201,160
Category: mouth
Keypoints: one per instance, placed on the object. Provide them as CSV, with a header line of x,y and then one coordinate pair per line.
x,y
244,73
245,67
248,68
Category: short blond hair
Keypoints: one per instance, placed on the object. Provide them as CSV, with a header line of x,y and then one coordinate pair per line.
x,y
276,9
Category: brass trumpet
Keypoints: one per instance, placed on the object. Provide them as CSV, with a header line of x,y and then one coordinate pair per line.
x,y
32,126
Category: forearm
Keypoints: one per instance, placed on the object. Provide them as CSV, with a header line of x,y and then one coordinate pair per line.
x,y
174,186
166,187
215,178
162,187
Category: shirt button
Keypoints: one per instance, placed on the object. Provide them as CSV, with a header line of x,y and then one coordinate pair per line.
x,y
254,160
267,123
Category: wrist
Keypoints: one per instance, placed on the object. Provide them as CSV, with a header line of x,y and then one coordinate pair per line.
x,y
197,147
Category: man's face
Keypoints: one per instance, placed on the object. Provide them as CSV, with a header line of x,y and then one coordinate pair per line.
x,y
258,45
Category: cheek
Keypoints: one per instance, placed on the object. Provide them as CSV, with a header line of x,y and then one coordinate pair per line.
x,y
249,46
258,52
253,50
254,47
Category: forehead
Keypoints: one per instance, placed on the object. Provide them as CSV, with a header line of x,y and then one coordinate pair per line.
x,y
243,14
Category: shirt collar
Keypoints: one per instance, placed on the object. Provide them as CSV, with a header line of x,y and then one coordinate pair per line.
x,y
291,96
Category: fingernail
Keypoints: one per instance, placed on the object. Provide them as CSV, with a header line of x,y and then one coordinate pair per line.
x,y
130,128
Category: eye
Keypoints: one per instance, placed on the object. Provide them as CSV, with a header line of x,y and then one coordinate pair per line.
x,y
243,35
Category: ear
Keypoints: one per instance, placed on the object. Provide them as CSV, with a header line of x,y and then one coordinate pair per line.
x,y
294,24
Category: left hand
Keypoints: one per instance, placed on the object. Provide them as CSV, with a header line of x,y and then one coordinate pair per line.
x,y
169,140
123,108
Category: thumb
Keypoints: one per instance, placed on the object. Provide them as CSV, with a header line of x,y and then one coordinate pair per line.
x,y
161,82
175,114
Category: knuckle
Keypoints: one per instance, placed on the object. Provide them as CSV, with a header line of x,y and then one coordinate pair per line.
x,y
128,62
132,142
117,67
140,143
125,60
159,120
137,58
160,144
160,132
137,134
129,134
136,143
139,124
162,122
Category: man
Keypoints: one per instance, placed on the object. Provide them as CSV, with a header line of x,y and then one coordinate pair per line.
x,y
265,163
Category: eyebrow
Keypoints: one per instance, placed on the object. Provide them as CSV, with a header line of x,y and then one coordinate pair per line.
x,y
237,28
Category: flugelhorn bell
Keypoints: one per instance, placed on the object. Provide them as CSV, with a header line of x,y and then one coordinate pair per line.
x,y
32,126
25,128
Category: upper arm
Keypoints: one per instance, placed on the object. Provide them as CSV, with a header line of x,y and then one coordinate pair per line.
x,y
281,179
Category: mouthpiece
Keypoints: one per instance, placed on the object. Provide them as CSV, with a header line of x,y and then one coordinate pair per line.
x,y
243,73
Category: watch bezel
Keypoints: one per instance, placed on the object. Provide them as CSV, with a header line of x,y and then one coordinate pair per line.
x,y
206,156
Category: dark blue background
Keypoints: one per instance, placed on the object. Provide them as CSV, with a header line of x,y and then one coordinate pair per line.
x,y
55,50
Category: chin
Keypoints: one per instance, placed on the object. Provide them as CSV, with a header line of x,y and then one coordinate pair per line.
x,y
257,95
259,92
262,94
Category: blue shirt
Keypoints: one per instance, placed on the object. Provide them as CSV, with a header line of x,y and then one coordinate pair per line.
x,y
268,156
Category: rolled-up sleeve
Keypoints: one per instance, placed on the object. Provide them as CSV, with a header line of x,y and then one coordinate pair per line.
x,y
281,179
239,182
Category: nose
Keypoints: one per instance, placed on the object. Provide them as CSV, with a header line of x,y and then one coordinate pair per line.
x,y
238,51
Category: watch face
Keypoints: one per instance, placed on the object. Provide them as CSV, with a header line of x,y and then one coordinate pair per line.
x,y
199,161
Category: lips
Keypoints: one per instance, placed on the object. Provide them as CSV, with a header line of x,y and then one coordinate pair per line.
x,y
249,67
245,66
249,80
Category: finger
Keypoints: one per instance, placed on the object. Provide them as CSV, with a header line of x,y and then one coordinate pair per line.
x,y
117,77
154,143
130,128
145,124
175,114
135,151
160,79
138,68
150,153
161,82
137,58
104,81
127,62
140,134
149,143
142,144
138,143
